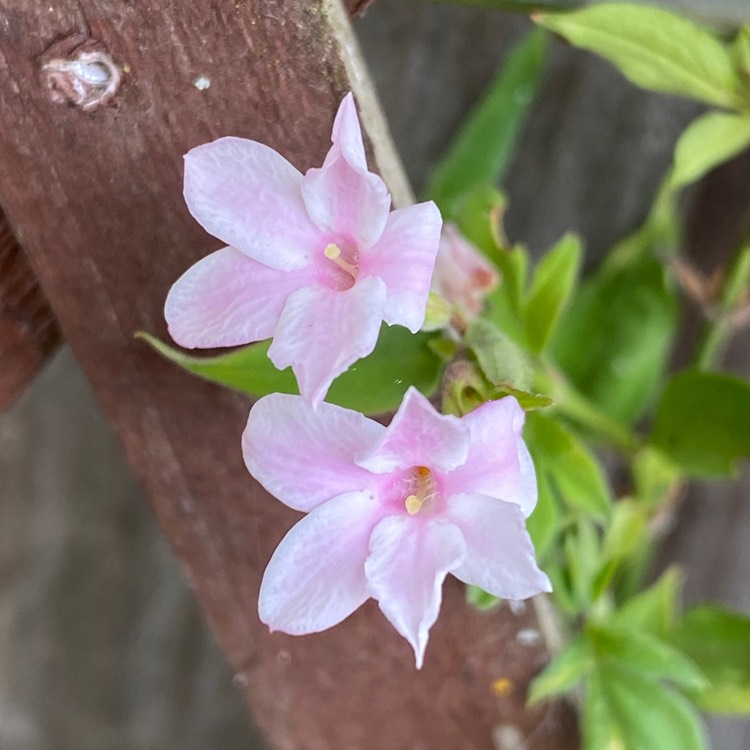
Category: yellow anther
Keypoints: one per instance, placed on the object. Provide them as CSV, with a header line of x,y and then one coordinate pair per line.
x,y
332,252
413,505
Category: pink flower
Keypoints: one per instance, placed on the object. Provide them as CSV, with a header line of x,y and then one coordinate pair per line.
x,y
314,261
391,511
462,274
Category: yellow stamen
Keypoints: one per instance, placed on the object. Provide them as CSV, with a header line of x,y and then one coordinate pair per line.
x,y
413,505
333,252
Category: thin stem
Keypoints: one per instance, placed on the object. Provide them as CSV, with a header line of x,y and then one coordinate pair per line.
x,y
719,331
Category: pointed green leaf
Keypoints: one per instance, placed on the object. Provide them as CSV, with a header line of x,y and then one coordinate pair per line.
x,y
655,609
553,282
649,716
707,142
614,341
703,422
644,653
718,640
563,673
484,145
569,465
246,369
479,213
544,522
655,49
600,730
373,385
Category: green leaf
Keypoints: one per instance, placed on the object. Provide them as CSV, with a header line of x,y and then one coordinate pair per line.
x,y
655,609
247,369
703,422
707,142
614,341
543,524
623,537
625,531
653,48
715,12
655,476
741,50
373,385
648,715
718,640
484,144
644,653
554,279
479,213
501,360
563,673
480,599
600,730
568,465
504,306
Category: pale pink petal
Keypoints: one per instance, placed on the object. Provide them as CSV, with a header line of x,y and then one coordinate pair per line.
x,y
347,134
418,435
463,275
316,576
323,331
500,557
249,196
342,196
305,457
228,299
498,464
409,559
404,258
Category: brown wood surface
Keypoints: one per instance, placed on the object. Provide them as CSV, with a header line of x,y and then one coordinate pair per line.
x,y
95,198
28,330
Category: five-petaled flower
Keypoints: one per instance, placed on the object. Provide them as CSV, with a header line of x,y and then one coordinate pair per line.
x,y
391,511
316,261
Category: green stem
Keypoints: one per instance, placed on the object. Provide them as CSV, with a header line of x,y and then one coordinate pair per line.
x,y
718,331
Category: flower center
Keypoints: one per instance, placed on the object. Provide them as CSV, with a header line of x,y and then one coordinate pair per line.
x,y
423,490
334,254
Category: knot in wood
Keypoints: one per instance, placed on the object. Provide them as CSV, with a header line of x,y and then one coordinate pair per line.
x,y
79,71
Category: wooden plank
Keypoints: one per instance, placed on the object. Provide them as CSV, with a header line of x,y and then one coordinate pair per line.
x,y
28,329
115,235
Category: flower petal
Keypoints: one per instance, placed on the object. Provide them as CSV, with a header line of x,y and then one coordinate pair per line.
x,y
408,562
347,134
227,299
342,196
500,555
498,464
404,258
249,196
305,457
418,435
463,275
316,576
323,331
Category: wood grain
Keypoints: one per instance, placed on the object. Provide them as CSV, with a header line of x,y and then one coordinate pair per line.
x,y
28,330
95,199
